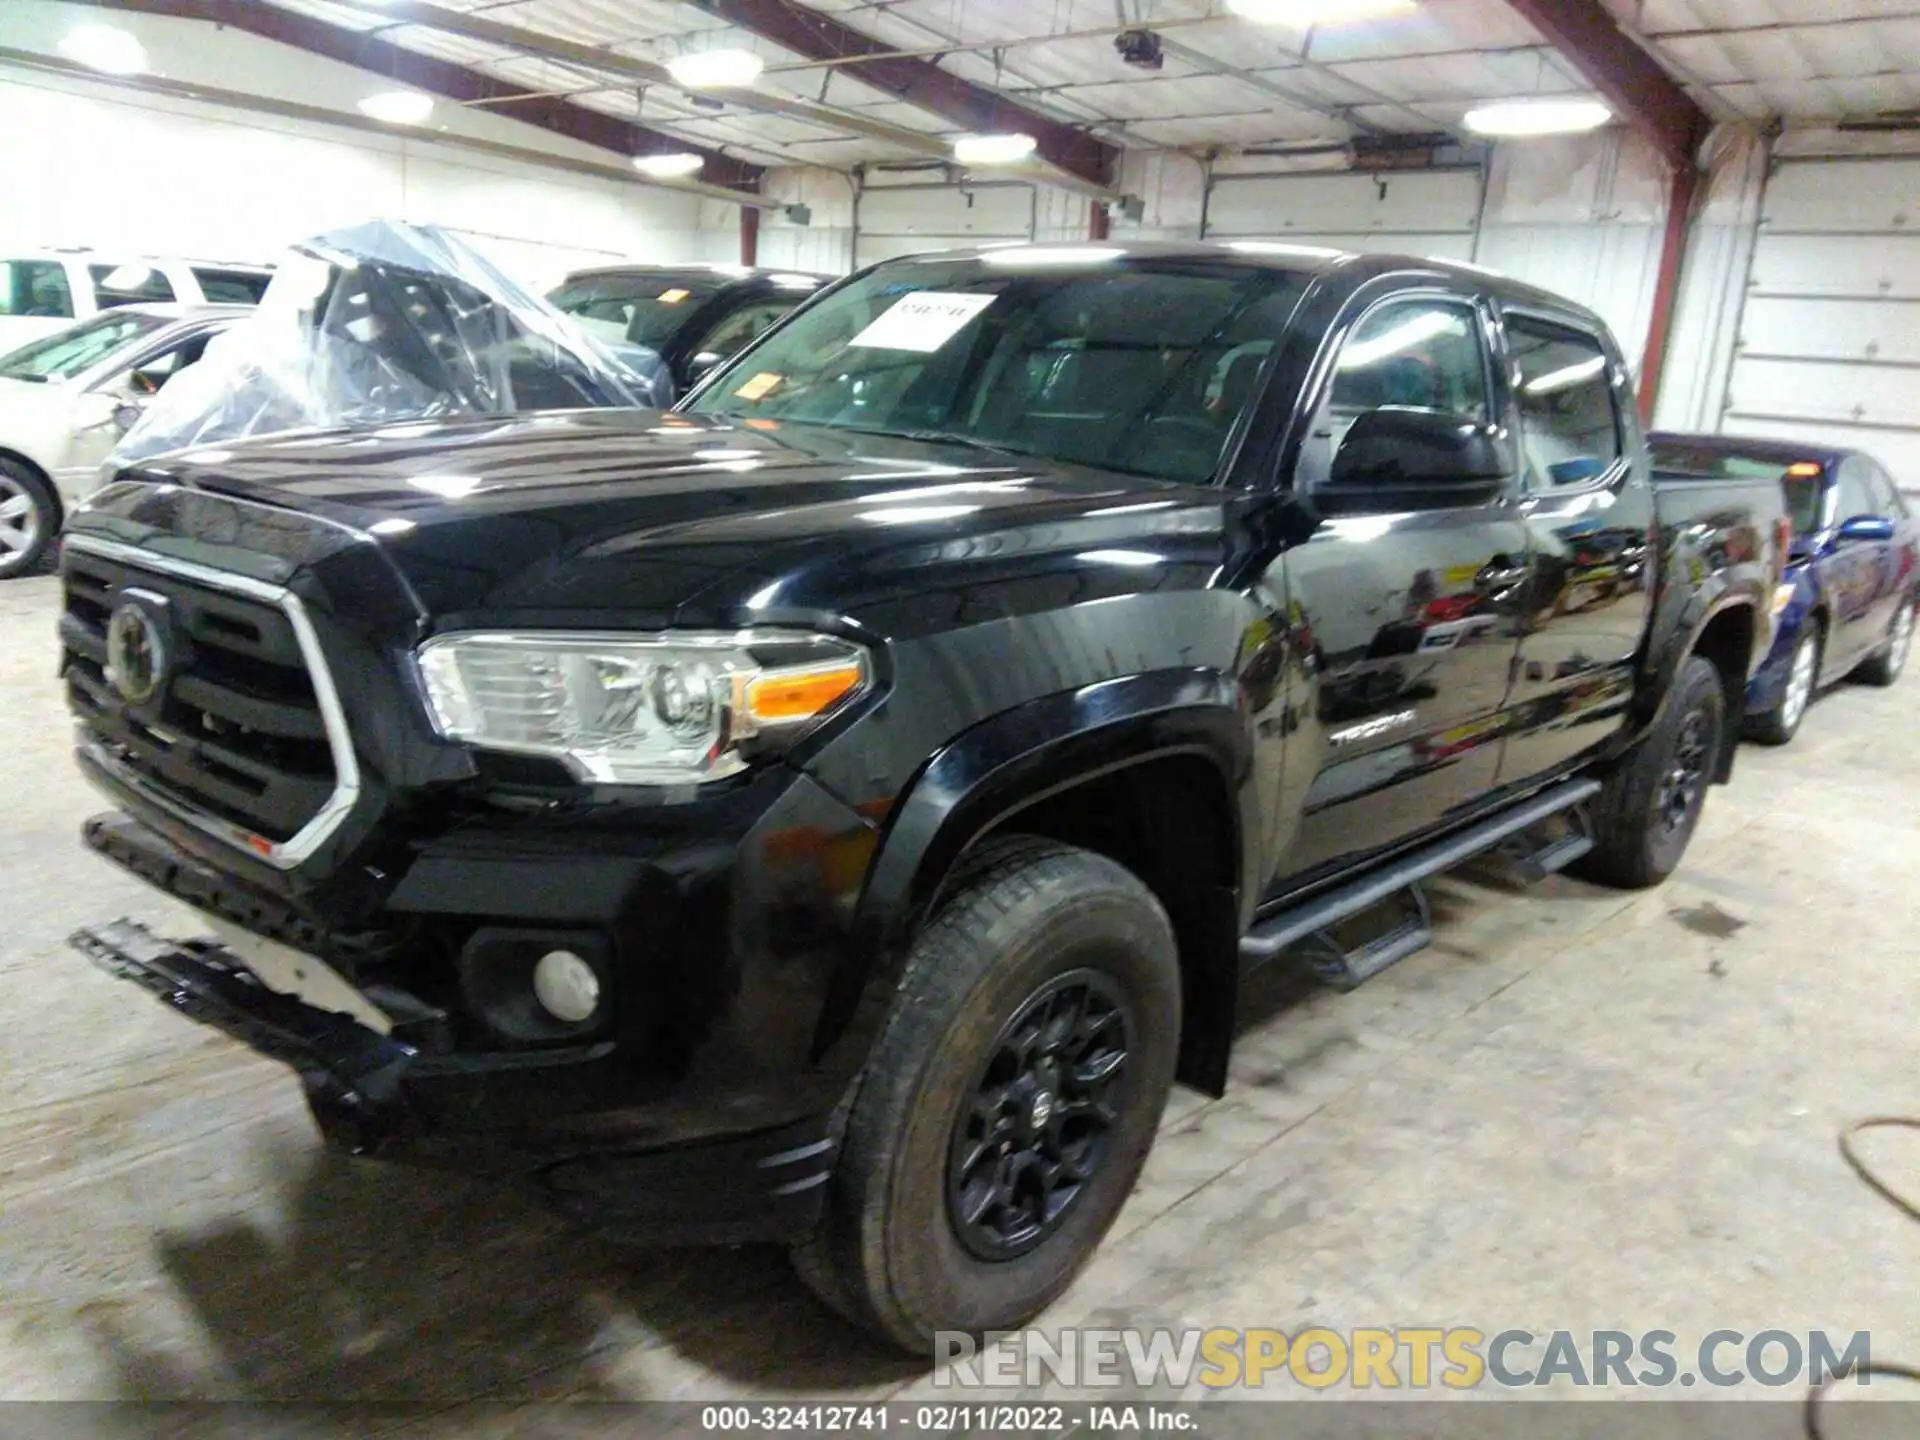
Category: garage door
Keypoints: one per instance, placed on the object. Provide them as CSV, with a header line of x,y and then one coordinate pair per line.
x,y
1830,339
907,219
1432,212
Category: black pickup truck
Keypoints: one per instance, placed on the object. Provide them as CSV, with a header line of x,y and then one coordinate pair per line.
x,y
838,810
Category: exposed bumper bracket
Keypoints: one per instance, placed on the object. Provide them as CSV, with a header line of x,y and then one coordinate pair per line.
x,y
352,1073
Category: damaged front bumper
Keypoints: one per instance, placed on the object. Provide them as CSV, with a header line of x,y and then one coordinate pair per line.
x,y
353,1074
374,1094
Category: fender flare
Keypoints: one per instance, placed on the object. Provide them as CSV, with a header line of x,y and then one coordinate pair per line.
x,y
1002,765
1687,644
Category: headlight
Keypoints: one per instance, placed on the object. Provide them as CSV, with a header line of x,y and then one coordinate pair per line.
x,y
638,709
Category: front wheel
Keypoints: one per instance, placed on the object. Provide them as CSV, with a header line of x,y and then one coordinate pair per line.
x,y
1777,726
1885,668
29,519
1010,1102
1651,803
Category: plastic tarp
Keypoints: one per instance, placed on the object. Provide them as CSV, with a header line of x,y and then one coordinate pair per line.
x,y
385,322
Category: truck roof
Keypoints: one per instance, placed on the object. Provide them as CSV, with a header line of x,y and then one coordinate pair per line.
x,y
1354,267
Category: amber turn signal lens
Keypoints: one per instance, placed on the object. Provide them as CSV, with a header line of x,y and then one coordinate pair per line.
x,y
800,695
1804,469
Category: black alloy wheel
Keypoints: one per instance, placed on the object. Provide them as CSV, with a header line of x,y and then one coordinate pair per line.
x,y
1036,1126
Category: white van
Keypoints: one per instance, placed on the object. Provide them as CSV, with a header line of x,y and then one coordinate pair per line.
x,y
48,290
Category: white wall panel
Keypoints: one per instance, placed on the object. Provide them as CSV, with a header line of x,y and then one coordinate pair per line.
x,y
907,219
1613,269
1582,216
824,245
1420,204
1693,387
1815,265
116,169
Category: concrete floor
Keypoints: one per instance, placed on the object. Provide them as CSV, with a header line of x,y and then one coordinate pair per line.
x,y
1578,1109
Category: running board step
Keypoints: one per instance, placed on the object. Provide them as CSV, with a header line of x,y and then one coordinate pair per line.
x,y
1269,937
1345,960
1550,846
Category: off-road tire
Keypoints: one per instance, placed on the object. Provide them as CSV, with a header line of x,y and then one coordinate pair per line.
x,y
1019,914
1633,849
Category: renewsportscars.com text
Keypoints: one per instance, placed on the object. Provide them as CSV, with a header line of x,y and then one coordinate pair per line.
x,y
1412,1358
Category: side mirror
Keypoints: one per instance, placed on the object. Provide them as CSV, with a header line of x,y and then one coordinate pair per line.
x,y
125,416
1401,458
1862,528
701,363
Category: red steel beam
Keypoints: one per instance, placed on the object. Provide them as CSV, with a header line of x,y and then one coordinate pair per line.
x,y
441,77
1666,292
920,83
1631,81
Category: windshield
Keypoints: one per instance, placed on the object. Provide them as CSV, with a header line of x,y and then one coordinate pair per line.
x,y
77,348
639,309
1140,366
1803,505
1801,481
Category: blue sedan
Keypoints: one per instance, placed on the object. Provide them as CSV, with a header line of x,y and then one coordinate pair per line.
x,y
1847,606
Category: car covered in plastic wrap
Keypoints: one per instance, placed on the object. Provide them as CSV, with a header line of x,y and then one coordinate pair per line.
x,y
384,323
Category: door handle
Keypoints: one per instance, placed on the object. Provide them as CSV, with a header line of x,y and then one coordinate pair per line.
x,y
1500,574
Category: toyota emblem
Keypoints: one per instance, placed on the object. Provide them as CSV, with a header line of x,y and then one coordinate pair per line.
x,y
136,653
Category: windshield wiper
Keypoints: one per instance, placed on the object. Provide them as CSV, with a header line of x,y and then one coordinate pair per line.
x,y
941,437
28,375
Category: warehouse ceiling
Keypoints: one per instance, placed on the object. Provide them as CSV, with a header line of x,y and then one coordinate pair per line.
x,y
947,66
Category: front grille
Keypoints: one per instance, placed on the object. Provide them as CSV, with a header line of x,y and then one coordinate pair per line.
x,y
236,733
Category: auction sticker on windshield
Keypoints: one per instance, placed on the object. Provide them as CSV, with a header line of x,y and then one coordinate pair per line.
x,y
923,321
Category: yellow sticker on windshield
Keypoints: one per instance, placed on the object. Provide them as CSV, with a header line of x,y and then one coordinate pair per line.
x,y
673,297
760,386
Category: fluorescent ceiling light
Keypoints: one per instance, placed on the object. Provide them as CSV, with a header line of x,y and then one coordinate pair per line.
x,y
398,107
716,69
1028,255
993,149
1537,117
674,165
1304,14
104,47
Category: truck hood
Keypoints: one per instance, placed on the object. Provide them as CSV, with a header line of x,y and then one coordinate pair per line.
x,y
644,517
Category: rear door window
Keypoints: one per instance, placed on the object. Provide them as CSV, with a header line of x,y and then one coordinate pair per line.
x,y
1569,415
35,287
231,287
134,284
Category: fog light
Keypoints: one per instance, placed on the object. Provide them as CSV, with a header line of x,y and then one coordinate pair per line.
x,y
538,987
566,986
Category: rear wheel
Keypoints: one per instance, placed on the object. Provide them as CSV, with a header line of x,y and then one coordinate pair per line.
x,y
29,519
1647,812
1885,668
1777,726
1011,1099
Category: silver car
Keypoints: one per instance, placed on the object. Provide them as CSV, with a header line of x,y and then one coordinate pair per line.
x,y
65,401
